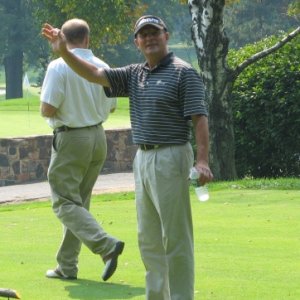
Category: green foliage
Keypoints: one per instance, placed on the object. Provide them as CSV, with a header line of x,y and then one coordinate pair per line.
x,y
250,21
266,112
20,39
18,29
109,21
178,21
294,9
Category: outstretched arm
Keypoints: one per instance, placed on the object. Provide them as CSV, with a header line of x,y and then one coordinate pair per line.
x,y
80,66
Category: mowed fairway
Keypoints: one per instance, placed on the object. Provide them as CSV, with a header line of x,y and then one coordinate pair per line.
x,y
246,247
21,117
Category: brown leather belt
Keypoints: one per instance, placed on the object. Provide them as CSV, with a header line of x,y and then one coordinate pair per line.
x,y
66,128
146,147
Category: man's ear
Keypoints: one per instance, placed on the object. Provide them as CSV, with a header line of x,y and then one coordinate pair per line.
x,y
87,41
136,43
167,35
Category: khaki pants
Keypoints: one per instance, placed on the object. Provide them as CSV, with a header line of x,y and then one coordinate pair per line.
x,y
76,160
165,232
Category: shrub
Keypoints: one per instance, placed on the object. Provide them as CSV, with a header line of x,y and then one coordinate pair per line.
x,y
266,112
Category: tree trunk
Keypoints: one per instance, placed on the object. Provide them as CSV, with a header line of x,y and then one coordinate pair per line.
x,y
222,153
211,46
13,59
13,75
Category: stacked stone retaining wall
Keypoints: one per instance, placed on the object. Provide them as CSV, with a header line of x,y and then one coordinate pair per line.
x,y
26,159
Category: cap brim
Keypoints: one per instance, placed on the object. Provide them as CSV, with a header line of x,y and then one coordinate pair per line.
x,y
148,24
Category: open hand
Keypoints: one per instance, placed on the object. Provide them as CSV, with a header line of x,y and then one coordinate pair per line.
x,y
55,37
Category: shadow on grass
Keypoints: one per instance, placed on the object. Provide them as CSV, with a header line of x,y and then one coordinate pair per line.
x,y
94,290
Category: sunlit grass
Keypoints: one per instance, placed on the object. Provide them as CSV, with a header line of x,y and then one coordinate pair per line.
x,y
246,245
21,117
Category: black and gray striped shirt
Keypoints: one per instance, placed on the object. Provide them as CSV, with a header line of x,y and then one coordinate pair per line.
x,y
161,100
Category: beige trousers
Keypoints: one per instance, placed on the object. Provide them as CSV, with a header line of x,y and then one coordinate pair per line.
x,y
76,160
165,232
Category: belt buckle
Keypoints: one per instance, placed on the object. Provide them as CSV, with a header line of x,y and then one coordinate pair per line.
x,y
146,147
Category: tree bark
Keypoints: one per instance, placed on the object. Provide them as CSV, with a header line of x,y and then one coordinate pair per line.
x,y
13,75
13,59
211,46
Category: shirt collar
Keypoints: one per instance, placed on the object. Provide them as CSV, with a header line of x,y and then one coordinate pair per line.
x,y
164,62
82,52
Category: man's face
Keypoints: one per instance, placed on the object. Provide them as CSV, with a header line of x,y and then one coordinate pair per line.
x,y
152,41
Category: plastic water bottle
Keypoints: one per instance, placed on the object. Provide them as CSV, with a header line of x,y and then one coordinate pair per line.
x,y
201,191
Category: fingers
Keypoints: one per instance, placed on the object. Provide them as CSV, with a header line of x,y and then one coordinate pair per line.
x,y
205,178
50,33
47,30
47,35
48,26
205,174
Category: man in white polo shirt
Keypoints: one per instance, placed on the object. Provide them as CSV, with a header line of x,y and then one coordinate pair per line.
x,y
76,109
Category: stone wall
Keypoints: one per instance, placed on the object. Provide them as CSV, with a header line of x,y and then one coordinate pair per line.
x,y
25,160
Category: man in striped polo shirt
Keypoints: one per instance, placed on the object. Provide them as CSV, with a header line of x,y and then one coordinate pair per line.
x,y
166,95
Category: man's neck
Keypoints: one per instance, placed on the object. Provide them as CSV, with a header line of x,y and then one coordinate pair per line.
x,y
154,60
82,45
76,47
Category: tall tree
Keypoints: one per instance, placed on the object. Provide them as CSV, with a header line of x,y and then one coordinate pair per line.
x,y
18,36
12,52
211,45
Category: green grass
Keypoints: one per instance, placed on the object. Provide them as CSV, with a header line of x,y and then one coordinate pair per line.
x,y
21,117
246,246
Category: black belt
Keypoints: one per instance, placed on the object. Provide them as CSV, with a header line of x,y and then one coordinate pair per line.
x,y
66,128
146,147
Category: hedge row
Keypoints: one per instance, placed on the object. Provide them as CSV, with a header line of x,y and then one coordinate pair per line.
x,y
266,111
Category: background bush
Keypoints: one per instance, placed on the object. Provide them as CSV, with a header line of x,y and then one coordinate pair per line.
x,y
266,112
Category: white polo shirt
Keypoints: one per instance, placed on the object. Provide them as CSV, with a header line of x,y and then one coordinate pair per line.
x,y
79,102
